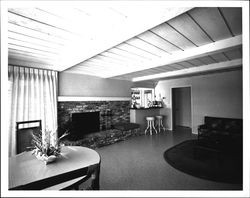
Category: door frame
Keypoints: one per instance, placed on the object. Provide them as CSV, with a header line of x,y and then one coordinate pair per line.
x,y
171,103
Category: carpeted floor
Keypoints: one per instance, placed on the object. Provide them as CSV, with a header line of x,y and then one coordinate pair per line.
x,y
208,165
138,164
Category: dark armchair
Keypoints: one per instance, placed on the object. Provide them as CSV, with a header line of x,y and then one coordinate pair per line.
x,y
224,134
221,134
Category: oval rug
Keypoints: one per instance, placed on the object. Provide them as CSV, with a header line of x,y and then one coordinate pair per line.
x,y
227,168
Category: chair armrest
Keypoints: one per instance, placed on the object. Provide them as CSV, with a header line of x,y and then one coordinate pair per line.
x,y
203,126
203,131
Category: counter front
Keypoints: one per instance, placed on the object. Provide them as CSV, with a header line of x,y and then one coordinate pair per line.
x,y
139,115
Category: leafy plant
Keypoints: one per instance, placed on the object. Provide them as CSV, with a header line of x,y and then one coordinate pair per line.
x,y
45,148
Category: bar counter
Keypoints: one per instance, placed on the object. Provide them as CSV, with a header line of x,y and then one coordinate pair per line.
x,y
139,115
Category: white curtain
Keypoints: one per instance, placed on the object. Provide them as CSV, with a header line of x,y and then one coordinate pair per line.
x,y
32,96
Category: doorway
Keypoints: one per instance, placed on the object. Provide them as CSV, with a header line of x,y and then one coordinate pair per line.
x,y
181,107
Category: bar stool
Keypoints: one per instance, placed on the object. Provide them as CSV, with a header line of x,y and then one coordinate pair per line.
x,y
159,124
150,121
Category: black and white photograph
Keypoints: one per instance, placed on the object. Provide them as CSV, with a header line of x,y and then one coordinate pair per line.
x,y
125,98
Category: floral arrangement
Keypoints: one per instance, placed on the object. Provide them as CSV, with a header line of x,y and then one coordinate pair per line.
x,y
44,150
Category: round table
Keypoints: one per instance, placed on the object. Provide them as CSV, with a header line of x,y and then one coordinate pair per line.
x,y
26,172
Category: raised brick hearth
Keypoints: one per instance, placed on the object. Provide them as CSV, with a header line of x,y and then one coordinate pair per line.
x,y
112,113
104,138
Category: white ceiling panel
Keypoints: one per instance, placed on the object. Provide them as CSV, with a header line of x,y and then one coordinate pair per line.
x,y
33,51
42,19
159,41
207,60
195,62
105,59
138,51
39,41
177,66
123,49
123,41
173,36
210,19
186,64
233,54
128,55
121,57
220,57
233,17
148,47
101,65
31,45
37,26
86,28
190,29
163,68
167,68
35,34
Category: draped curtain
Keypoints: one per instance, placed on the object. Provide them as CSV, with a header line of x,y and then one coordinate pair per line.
x,y
32,95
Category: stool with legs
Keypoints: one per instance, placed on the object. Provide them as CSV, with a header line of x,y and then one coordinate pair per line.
x,y
159,124
150,127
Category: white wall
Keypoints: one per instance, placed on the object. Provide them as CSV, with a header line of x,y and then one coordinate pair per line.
x,y
84,85
217,94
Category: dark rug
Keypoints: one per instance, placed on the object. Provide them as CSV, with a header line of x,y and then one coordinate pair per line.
x,y
226,168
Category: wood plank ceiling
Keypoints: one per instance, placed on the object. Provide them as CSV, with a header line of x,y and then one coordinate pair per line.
x,y
195,38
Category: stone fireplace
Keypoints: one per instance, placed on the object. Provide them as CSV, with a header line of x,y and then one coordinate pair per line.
x,y
110,113
84,123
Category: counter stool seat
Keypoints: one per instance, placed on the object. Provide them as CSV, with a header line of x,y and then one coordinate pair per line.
x,y
150,127
159,123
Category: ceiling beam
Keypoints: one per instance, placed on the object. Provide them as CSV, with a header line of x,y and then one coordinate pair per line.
x,y
193,70
30,63
84,72
196,52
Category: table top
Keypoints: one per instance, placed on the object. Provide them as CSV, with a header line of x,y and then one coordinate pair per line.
x,y
26,170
